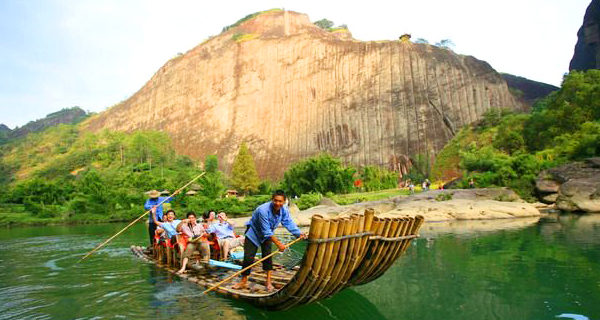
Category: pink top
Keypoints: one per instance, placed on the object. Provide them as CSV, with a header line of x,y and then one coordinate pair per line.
x,y
193,232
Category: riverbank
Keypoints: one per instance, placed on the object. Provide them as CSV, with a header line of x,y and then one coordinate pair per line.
x,y
434,205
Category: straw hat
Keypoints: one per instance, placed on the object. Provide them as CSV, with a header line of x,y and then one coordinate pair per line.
x,y
153,193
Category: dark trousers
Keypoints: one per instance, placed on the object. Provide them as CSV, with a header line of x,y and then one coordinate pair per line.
x,y
151,231
250,251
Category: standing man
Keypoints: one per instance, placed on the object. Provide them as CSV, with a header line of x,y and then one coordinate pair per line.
x,y
260,233
153,202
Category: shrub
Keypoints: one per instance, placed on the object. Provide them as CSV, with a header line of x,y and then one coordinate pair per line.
x,y
443,196
308,200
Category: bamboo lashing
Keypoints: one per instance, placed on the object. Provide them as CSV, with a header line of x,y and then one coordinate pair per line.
x,y
138,218
248,267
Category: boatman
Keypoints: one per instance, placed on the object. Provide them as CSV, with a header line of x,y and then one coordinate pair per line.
x,y
260,233
153,202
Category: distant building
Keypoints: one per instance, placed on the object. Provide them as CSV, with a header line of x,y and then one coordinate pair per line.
x,y
231,193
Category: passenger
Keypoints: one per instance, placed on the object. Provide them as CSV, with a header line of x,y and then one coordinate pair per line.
x,y
209,218
225,235
168,228
153,202
194,232
260,233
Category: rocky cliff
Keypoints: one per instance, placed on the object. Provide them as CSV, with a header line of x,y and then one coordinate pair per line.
x,y
587,49
292,90
529,91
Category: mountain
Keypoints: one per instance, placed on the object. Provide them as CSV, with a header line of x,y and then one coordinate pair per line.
x,y
528,90
4,129
587,49
290,90
67,116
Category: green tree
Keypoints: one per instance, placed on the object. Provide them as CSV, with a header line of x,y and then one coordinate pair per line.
x,y
211,163
376,178
322,173
244,176
324,24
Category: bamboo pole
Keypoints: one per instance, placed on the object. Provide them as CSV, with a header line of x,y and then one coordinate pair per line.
x,y
137,219
248,267
286,293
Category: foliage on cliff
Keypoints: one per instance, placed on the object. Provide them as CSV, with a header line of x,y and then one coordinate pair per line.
x,y
508,149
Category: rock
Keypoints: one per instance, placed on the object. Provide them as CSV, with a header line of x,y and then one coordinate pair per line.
x,y
545,185
587,49
328,202
291,90
593,162
580,195
551,198
540,205
579,186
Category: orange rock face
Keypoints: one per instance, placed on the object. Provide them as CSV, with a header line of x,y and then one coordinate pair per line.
x,y
292,90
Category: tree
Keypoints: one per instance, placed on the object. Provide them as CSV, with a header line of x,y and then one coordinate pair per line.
x,y
211,163
324,24
244,176
322,173
445,44
422,40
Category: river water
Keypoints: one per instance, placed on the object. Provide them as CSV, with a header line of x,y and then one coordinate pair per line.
x,y
509,269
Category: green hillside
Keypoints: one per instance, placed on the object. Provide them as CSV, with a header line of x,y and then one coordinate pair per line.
x,y
509,149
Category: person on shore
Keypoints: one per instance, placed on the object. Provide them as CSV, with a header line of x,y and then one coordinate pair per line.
x,y
471,183
153,202
194,232
260,233
225,235
167,228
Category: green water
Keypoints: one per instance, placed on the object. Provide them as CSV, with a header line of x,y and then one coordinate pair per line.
x,y
518,269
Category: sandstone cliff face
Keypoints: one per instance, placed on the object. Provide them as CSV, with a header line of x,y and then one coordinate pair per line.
x,y
292,90
587,49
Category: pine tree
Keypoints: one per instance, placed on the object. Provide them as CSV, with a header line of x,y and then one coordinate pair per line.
x,y
243,174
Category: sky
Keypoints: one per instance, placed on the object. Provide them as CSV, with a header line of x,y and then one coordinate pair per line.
x,y
57,54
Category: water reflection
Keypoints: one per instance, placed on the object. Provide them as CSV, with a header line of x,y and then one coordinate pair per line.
x,y
503,269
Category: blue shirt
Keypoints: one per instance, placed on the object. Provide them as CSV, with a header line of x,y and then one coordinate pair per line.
x,y
170,227
159,210
222,230
264,222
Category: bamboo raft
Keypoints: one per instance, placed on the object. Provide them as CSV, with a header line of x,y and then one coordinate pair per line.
x,y
341,252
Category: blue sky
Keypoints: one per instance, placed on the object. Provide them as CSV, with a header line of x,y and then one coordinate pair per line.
x,y
94,54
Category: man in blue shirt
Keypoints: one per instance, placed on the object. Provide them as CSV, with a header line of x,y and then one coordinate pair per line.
x,y
225,235
153,202
260,233
169,226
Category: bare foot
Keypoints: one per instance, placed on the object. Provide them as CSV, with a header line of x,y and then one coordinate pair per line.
x,y
270,288
240,285
181,271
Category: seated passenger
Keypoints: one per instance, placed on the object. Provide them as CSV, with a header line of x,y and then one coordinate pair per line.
x,y
224,231
168,228
208,218
194,232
